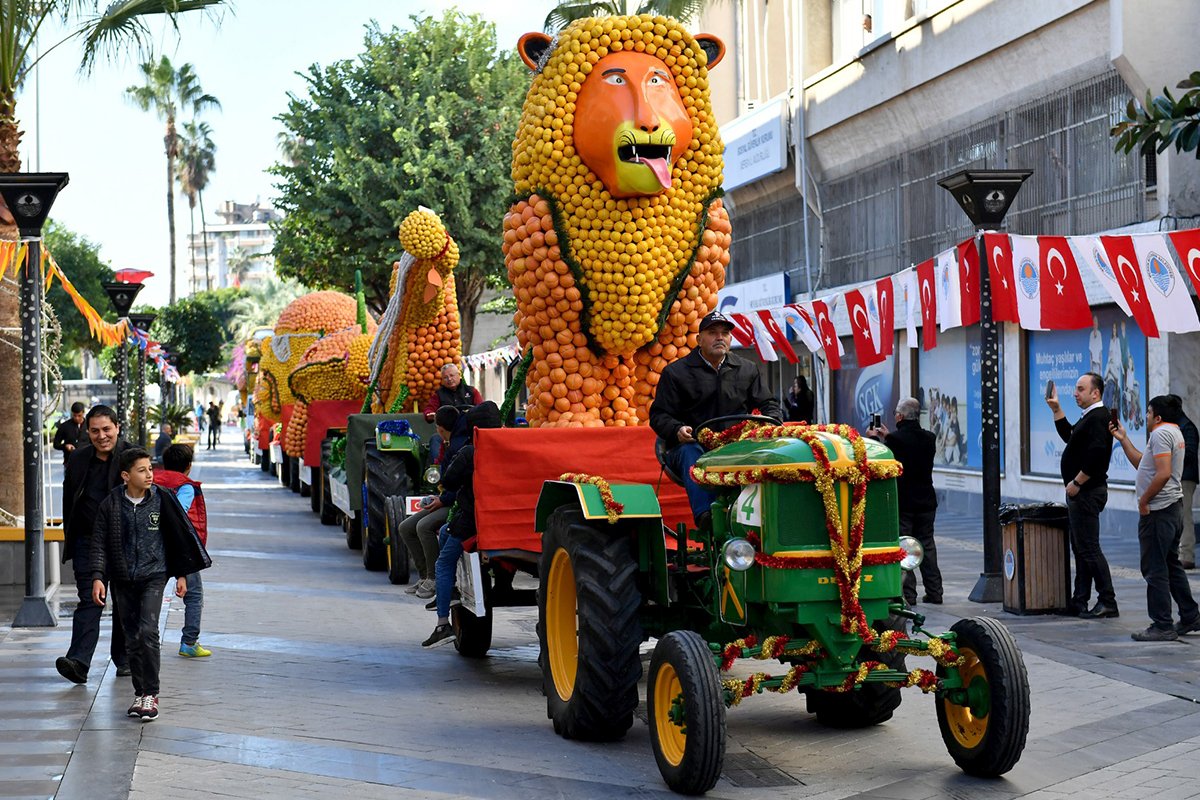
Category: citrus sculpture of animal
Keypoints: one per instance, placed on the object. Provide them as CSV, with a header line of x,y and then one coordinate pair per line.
x,y
419,330
335,367
619,243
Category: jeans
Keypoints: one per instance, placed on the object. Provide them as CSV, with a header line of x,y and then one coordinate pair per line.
x,y
1187,543
212,436
193,605
447,570
1083,517
681,459
919,525
420,535
1158,535
139,604
85,627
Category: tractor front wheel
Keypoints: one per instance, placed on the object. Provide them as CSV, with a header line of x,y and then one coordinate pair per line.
x,y
588,628
397,553
985,730
687,713
384,475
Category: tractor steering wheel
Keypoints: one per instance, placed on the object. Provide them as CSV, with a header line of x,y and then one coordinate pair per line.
x,y
729,421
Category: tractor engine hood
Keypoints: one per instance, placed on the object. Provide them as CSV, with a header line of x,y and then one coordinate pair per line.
x,y
786,452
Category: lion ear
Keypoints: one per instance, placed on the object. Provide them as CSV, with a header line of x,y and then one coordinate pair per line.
x,y
531,47
713,47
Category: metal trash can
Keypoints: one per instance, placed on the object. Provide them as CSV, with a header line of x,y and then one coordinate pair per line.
x,y
1037,565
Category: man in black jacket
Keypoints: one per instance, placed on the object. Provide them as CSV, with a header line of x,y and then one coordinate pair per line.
x,y
92,472
1191,474
1084,469
70,433
709,382
913,447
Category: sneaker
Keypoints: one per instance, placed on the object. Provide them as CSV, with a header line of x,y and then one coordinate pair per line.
x,y
196,650
455,600
936,601
135,710
425,589
72,670
440,634
150,708
124,671
414,586
1187,627
1153,634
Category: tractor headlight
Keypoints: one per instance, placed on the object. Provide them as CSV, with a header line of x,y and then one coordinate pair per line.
x,y
433,475
738,554
914,553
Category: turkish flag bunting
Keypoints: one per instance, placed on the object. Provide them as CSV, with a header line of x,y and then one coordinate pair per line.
x,y
1064,302
927,292
801,322
829,338
1000,271
1124,262
968,281
887,315
865,347
1187,245
1169,297
778,337
746,335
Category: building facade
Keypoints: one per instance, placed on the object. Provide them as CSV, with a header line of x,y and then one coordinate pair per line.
x,y
235,252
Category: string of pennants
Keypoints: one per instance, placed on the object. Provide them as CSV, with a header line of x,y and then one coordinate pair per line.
x,y
489,359
1037,282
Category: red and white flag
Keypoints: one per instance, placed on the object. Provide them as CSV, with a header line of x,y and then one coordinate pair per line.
x,y
1089,252
865,330
1168,293
767,319
1187,245
1026,275
746,333
1124,261
927,294
829,337
800,320
968,280
887,315
1064,301
1000,271
905,283
949,294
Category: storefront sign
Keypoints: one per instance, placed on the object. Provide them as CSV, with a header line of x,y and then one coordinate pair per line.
x,y
860,392
746,296
755,144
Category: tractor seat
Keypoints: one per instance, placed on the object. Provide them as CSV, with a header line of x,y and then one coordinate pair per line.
x,y
660,452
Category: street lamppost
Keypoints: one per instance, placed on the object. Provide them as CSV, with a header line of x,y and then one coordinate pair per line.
x,y
121,296
29,196
142,322
985,196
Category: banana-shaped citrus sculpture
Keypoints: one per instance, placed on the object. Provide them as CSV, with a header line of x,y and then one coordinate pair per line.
x,y
419,330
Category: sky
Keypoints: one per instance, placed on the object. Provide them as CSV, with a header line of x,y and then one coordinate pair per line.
x,y
114,152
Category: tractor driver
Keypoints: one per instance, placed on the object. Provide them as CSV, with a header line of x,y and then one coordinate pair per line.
x,y
708,382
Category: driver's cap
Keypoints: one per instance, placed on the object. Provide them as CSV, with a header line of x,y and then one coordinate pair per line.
x,y
715,318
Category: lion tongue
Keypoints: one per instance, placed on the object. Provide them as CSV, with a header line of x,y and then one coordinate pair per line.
x,y
661,169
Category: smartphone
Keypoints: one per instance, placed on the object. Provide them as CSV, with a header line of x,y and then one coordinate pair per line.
x,y
876,421
1114,416
1049,389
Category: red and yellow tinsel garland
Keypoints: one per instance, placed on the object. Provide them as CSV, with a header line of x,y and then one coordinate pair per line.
x,y
612,509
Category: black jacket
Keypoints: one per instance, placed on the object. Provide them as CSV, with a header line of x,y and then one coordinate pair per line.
x,y
74,476
69,432
1191,441
914,447
690,391
110,541
457,479
1089,448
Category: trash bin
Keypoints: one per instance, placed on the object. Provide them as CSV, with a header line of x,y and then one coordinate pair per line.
x,y
1037,567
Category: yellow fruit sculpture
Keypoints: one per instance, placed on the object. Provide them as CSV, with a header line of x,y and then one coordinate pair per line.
x,y
334,368
620,244
419,332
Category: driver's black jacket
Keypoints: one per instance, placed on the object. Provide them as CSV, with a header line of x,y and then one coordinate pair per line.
x,y
690,391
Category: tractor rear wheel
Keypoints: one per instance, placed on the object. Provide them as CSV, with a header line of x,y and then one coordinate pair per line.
x,y
397,553
384,475
869,704
588,628
687,713
986,736
473,634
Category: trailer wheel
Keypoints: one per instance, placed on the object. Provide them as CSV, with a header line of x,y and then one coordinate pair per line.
x,y
588,628
314,489
397,553
327,510
472,634
384,475
869,704
986,736
294,474
687,713
352,527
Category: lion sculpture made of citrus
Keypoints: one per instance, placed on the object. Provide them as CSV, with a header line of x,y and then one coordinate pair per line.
x,y
619,243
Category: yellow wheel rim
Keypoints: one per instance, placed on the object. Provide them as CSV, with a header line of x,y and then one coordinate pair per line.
x,y
672,740
968,729
387,532
562,636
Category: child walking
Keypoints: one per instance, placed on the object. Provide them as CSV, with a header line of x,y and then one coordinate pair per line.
x,y
141,536
177,466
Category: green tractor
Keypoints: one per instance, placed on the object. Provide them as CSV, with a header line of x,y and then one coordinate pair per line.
x,y
801,564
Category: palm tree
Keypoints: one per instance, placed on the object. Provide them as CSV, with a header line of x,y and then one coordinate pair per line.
x,y
568,11
197,160
167,91
239,262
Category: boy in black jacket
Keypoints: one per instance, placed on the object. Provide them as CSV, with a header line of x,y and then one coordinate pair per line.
x,y
141,536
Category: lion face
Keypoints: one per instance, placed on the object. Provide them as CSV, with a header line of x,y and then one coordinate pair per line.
x,y
632,124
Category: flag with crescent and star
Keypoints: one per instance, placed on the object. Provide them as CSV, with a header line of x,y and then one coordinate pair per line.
x,y
766,317
927,294
1089,252
829,337
949,297
968,281
1064,301
1000,271
1124,261
887,315
1187,245
866,332
1169,295
746,332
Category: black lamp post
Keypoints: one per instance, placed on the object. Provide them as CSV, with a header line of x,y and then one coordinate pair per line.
x,y
121,297
142,322
29,196
985,196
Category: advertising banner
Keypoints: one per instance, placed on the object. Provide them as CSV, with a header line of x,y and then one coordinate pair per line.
x,y
949,389
859,392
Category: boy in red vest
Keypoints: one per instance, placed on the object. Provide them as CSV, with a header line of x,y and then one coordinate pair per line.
x,y
177,463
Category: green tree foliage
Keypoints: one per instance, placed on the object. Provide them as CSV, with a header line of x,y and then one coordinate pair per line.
x,y
568,11
1163,121
193,332
80,261
422,117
